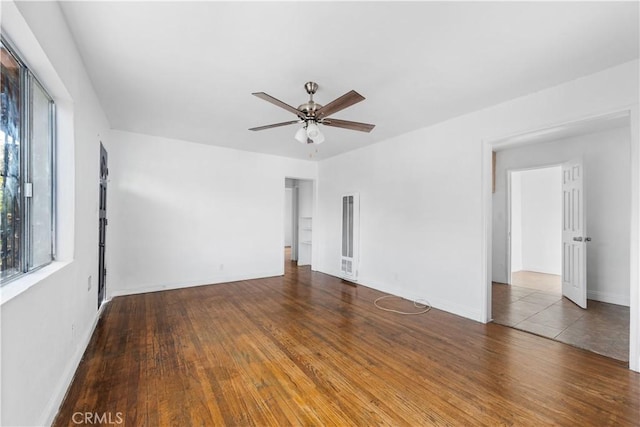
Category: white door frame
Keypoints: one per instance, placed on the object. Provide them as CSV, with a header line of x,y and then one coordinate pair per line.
x,y
509,231
294,223
486,220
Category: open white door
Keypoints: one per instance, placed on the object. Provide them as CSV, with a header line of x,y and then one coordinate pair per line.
x,y
574,250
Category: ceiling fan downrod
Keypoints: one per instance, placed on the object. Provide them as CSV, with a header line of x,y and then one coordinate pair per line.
x,y
310,107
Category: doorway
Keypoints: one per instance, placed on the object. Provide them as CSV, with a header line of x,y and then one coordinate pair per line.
x,y
298,220
102,225
535,228
606,324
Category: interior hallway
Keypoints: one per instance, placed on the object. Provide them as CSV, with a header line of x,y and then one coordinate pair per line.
x,y
534,303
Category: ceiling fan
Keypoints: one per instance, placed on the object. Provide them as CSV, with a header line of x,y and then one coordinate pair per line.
x,y
313,114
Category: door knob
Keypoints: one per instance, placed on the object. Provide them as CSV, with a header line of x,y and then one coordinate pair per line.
x,y
587,239
577,239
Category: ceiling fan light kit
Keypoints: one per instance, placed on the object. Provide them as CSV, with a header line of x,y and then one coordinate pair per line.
x,y
312,129
313,114
309,133
318,139
301,135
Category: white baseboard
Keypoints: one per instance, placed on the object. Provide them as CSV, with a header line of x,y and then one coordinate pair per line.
x,y
63,385
440,304
609,298
448,306
157,287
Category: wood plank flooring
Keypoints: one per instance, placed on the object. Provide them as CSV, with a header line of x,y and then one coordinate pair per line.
x,y
307,349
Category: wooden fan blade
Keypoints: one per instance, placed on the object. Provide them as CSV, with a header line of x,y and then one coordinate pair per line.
x,y
275,125
362,127
279,103
346,100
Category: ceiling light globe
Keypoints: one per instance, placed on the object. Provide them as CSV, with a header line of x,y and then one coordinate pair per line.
x,y
313,130
301,136
318,139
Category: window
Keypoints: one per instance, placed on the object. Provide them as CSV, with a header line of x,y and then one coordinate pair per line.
x,y
26,169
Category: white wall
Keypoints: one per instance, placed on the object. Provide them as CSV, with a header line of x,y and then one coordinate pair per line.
x,y
607,195
516,222
288,219
422,226
184,214
48,319
540,222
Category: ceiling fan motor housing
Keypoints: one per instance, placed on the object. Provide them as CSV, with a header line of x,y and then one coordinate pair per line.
x,y
309,109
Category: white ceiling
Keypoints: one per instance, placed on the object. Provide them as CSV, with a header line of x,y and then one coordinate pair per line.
x,y
186,70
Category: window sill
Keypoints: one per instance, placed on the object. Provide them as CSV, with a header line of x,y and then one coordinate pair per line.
x,y
22,284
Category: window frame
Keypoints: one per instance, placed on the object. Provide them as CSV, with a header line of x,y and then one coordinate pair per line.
x,y
28,80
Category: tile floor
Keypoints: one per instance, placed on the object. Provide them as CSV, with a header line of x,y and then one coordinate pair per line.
x,y
602,328
551,283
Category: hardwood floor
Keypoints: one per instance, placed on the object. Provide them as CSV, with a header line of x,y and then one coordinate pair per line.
x,y
307,349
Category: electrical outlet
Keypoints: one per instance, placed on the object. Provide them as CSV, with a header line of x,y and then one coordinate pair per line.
x,y
221,267
89,283
73,331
